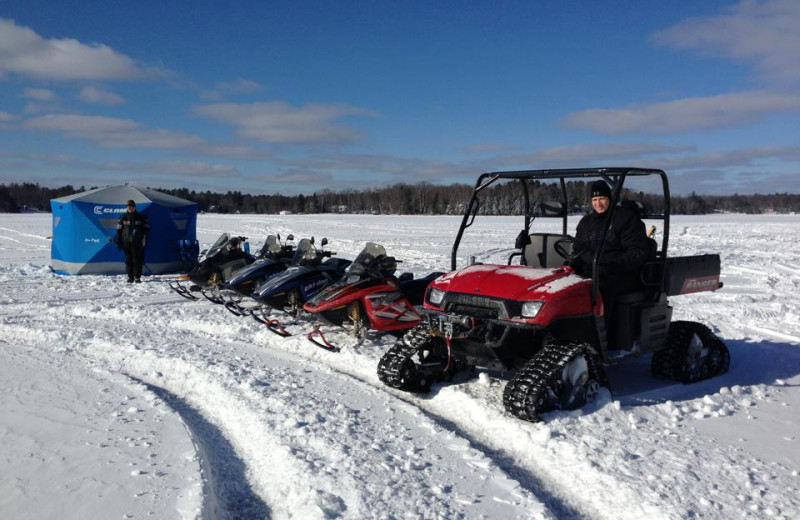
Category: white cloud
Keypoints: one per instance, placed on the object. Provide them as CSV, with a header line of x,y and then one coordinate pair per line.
x,y
40,108
486,147
398,168
763,34
278,122
172,168
737,157
5,116
24,52
685,115
226,88
240,86
113,132
158,170
124,133
99,96
233,151
582,154
39,94
299,176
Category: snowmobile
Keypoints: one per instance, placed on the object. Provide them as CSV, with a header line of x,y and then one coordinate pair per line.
x,y
215,265
273,258
545,323
369,297
306,275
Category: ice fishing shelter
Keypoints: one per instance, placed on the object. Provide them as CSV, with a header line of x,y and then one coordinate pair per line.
x,y
84,223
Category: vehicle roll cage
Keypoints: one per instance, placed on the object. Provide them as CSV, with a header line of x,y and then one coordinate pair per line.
x,y
615,176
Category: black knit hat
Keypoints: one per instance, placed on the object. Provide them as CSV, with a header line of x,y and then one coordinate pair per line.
x,y
131,203
599,189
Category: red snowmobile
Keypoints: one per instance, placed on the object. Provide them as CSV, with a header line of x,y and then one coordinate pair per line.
x,y
546,323
369,297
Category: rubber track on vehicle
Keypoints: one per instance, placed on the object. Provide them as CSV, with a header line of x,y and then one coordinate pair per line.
x,y
392,368
527,387
669,362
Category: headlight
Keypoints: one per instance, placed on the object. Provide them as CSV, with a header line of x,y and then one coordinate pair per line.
x,y
531,309
436,296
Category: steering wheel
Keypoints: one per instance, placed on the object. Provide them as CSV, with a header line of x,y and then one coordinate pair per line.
x,y
563,247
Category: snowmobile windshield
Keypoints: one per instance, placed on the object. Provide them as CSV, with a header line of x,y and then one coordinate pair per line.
x,y
217,246
305,253
366,258
271,246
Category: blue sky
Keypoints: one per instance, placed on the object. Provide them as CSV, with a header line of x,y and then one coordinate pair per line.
x,y
297,97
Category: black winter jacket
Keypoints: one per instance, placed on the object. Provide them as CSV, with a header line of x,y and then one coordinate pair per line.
x,y
132,230
627,247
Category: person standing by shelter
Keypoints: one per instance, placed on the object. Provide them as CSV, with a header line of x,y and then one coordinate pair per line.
x,y
131,237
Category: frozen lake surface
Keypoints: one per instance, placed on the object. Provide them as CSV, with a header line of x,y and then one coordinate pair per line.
x,y
124,401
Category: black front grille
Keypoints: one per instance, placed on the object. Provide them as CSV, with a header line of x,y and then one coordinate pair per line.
x,y
480,306
477,312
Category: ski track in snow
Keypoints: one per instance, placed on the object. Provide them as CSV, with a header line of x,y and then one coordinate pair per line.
x,y
286,430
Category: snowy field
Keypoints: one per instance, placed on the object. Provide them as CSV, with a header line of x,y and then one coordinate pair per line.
x,y
127,401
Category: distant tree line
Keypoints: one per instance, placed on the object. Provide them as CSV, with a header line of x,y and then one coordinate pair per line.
x,y
416,199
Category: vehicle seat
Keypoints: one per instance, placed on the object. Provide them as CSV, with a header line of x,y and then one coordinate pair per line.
x,y
634,206
541,250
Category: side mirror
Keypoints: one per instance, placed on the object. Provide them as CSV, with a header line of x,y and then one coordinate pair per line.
x,y
324,241
523,239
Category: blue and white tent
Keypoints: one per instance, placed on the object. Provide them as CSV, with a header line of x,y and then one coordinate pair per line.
x,y
83,224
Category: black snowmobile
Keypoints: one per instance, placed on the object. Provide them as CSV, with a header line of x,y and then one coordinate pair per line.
x,y
215,265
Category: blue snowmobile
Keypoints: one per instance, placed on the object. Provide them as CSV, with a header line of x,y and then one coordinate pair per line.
x,y
310,271
273,258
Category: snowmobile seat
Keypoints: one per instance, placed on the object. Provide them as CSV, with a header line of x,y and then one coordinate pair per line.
x,y
414,288
540,252
337,265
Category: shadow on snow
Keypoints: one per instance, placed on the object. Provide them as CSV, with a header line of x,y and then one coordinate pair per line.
x,y
226,492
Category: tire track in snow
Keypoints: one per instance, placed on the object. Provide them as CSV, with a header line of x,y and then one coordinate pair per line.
x,y
552,472
301,463
226,492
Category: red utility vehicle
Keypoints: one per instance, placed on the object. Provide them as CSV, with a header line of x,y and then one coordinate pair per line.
x,y
540,319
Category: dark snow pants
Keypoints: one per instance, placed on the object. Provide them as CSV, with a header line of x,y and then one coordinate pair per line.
x,y
611,286
134,259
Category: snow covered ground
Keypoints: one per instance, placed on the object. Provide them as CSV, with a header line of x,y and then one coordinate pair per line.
x,y
123,401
